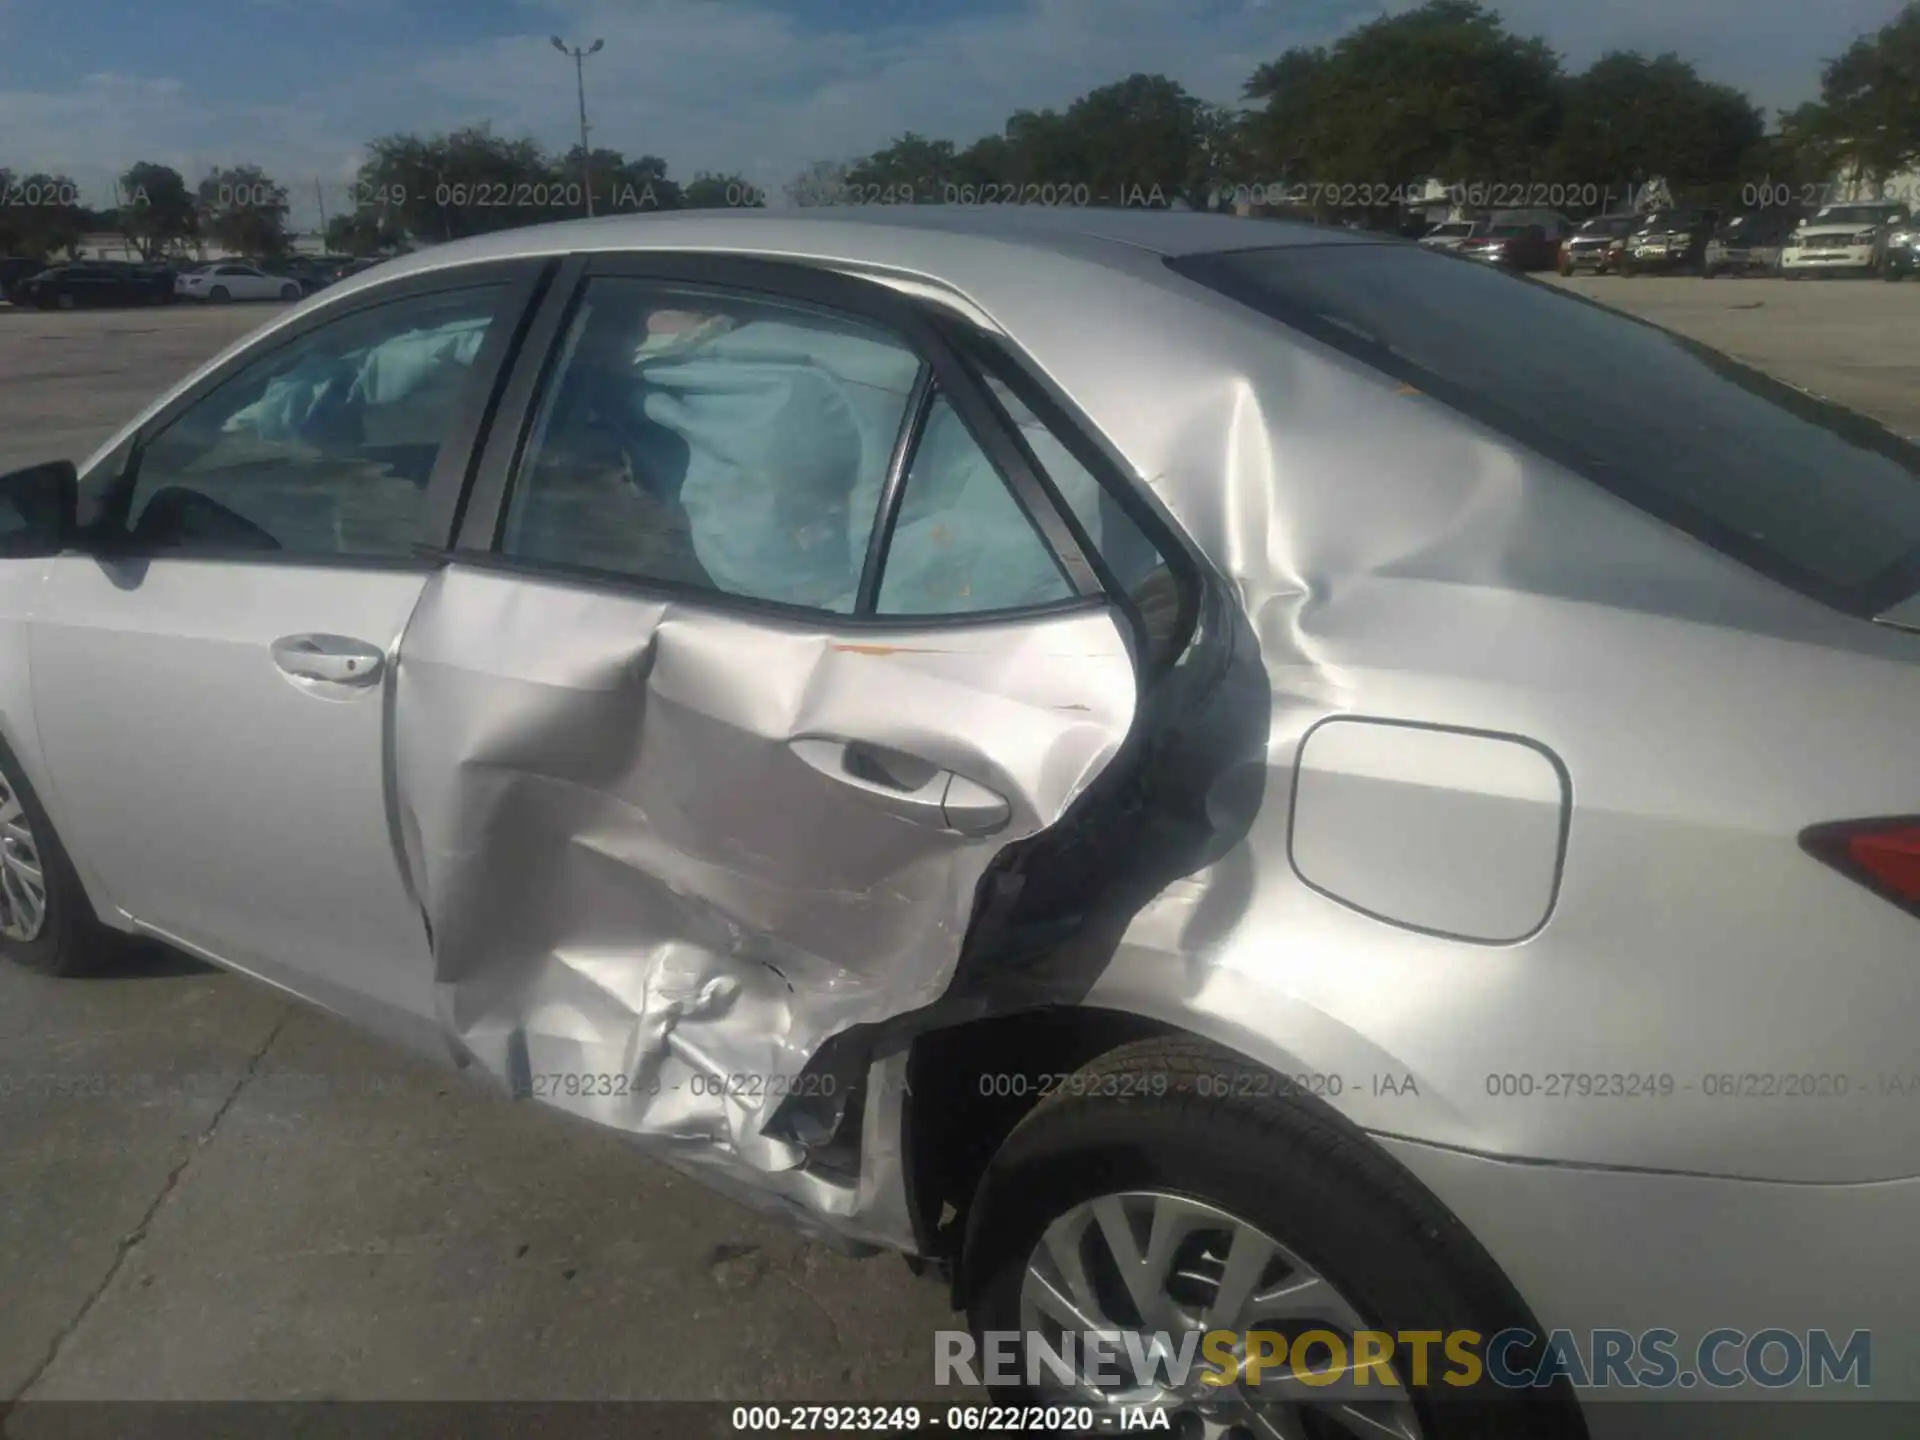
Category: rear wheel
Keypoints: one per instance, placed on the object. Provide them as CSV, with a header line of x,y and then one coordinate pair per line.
x,y
289,292
1152,1194
46,921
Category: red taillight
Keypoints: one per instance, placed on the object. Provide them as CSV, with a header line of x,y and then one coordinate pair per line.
x,y
1883,855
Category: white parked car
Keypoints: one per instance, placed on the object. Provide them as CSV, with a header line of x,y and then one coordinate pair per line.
x,y
1452,234
224,280
1850,238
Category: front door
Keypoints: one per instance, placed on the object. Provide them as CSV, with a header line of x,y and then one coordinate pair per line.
x,y
212,682
757,654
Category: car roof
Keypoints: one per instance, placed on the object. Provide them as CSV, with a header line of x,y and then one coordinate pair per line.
x,y
854,234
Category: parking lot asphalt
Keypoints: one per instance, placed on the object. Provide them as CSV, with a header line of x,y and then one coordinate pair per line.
x,y
207,1192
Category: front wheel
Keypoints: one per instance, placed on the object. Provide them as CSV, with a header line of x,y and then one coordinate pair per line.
x,y
219,295
1152,1194
289,292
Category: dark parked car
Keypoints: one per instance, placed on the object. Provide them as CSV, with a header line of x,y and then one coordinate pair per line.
x,y
1901,257
352,267
310,272
156,276
1669,240
15,270
1748,243
1591,246
1518,247
85,284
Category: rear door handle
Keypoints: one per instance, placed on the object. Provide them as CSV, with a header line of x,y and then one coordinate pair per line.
x,y
907,786
337,659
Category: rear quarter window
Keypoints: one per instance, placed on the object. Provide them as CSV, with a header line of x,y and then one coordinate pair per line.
x,y
1808,492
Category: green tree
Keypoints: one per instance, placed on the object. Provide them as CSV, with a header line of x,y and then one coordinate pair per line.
x,y
363,232
244,211
1041,146
466,182
824,182
40,215
1804,152
1139,141
1443,90
156,212
913,170
1870,96
707,191
622,186
1631,119
1291,127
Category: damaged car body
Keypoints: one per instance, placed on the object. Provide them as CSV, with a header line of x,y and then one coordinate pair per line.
x,y
1130,756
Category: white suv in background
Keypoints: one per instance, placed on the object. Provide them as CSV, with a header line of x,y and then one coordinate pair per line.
x,y
1848,237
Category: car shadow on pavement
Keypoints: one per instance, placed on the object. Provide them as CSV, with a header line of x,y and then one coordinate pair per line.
x,y
140,958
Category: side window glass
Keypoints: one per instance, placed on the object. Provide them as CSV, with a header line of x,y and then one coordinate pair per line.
x,y
961,543
705,439
323,447
1129,554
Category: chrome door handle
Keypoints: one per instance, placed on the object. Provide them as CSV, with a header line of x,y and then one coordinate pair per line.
x,y
337,659
907,786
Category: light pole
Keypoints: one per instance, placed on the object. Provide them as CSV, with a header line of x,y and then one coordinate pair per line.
x,y
580,78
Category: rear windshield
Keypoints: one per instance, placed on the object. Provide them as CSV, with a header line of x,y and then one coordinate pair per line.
x,y
1813,494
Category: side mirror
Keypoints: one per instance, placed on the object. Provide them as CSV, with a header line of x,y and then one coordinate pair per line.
x,y
39,510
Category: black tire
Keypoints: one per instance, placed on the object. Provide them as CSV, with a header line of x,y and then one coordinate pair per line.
x,y
1284,1163
219,295
71,941
289,292
63,301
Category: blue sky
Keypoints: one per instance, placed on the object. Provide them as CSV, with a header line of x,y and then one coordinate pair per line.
x,y
758,86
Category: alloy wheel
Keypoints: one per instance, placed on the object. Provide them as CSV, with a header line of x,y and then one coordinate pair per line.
x,y
1141,1264
23,883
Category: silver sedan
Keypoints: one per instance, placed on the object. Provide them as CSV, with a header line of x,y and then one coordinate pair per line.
x,y
1253,793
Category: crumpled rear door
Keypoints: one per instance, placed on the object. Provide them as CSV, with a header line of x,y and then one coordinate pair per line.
x,y
666,850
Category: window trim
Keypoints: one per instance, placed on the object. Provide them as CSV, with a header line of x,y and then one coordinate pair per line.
x,y
521,281
906,445
797,283
1087,444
